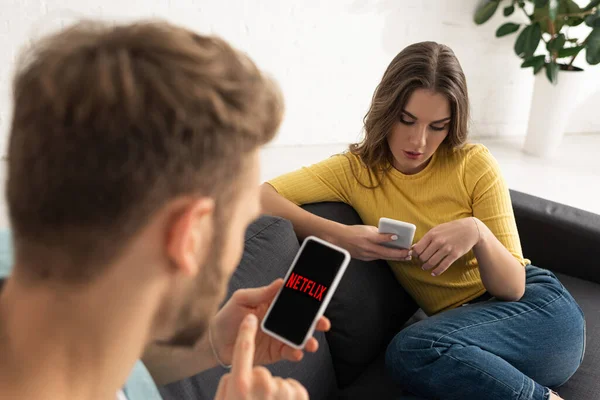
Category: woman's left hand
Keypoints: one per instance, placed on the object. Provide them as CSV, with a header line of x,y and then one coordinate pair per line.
x,y
446,243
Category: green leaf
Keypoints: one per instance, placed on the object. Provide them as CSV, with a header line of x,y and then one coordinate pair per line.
x,y
592,4
528,40
569,51
507,29
592,47
537,68
573,21
536,61
557,43
509,10
542,15
552,9
540,3
552,72
593,20
570,7
485,11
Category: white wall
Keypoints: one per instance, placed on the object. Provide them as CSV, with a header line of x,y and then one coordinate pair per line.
x,y
327,55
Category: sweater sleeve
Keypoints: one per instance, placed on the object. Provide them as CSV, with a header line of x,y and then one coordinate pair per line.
x,y
329,180
491,201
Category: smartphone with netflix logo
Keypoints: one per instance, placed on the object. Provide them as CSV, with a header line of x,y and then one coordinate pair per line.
x,y
308,287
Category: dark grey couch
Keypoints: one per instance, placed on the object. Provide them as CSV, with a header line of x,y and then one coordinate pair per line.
x,y
369,306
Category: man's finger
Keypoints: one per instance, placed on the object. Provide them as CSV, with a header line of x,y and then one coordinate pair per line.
x,y
324,324
222,388
291,354
257,296
300,391
283,389
243,352
312,345
262,384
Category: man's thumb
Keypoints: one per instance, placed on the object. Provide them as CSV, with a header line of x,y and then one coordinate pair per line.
x,y
256,296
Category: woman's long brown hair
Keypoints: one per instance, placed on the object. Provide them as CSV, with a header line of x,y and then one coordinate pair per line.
x,y
425,65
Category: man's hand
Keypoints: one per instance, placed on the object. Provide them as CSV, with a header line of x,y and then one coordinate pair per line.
x,y
225,325
248,382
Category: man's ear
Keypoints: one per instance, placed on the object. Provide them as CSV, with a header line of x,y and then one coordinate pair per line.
x,y
190,235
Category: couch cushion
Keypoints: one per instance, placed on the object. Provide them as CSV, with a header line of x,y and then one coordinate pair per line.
x,y
368,308
373,383
585,384
269,250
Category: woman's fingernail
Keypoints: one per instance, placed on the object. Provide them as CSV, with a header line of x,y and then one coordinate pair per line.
x,y
410,253
408,258
394,237
433,274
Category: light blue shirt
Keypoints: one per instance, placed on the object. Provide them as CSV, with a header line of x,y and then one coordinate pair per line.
x,y
139,385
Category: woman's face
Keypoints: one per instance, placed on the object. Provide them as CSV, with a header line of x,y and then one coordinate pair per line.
x,y
420,129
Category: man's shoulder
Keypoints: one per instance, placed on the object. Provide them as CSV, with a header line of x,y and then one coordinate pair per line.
x,y
140,385
6,253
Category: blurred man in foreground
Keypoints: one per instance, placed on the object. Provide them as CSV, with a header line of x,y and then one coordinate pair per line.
x,y
133,173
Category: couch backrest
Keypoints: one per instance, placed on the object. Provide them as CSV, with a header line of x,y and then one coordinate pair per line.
x,y
558,237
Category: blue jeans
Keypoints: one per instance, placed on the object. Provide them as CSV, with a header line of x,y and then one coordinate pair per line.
x,y
494,350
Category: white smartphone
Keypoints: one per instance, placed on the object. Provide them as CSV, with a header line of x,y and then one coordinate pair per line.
x,y
308,286
404,231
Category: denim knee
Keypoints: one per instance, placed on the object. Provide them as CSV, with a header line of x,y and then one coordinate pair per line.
x,y
394,361
407,353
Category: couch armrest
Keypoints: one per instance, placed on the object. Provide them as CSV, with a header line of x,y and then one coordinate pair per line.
x,y
558,237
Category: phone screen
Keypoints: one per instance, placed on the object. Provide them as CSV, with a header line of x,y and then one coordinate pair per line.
x,y
304,291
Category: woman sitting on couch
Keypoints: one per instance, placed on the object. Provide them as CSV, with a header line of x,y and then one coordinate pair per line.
x,y
521,332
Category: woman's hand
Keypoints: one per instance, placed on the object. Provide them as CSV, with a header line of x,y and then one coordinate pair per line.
x,y
367,244
446,243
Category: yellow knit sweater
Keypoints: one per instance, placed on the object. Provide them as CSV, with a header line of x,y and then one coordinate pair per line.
x,y
455,184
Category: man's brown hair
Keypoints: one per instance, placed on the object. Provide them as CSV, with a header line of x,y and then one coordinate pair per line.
x,y
112,122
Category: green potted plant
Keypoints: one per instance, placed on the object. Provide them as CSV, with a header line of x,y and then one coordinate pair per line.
x,y
545,41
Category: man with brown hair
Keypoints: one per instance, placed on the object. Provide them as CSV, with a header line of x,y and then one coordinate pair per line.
x,y
132,176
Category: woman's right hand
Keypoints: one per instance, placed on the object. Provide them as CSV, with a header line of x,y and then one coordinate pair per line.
x,y
366,243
